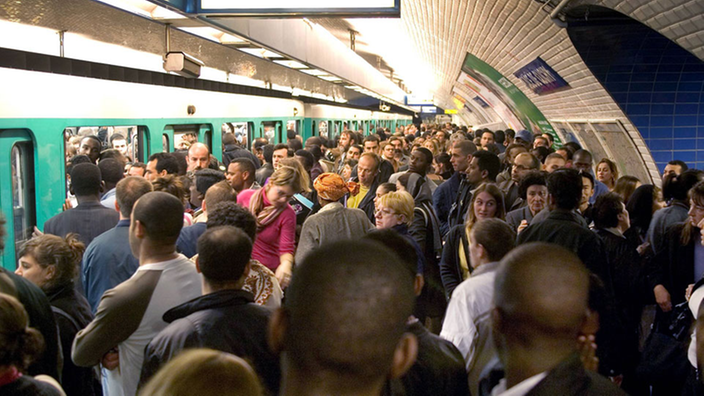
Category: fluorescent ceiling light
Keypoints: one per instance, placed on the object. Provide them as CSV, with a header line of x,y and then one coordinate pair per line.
x,y
291,64
330,78
315,72
29,38
301,4
261,52
207,33
212,34
227,38
144,8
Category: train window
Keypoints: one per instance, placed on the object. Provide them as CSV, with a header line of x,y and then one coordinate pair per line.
x,y
23,207
323,129
293,125
128,140
184,135
241,130
165,143
270,129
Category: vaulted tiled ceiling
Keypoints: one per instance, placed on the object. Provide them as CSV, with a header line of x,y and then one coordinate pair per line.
x,y
507,35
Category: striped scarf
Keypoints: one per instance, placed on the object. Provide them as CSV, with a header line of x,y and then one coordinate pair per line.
x,y
265,215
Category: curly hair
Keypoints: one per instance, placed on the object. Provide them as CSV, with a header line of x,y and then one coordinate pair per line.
x,y
64,254
171,184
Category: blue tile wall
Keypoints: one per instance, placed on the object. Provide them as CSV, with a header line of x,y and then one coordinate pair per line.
x,y
657,84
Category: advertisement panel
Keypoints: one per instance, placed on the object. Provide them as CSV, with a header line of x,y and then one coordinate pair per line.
x,y
509,95
540,77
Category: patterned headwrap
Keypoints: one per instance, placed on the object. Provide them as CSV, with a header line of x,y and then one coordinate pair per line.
x,y
330,186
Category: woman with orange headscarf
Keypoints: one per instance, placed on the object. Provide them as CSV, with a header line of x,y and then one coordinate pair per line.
x,y
333,222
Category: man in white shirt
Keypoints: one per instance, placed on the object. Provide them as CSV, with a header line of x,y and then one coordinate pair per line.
x,y
541,297
130,314
467,321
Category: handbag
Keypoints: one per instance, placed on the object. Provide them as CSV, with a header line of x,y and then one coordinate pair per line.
x,y
664,357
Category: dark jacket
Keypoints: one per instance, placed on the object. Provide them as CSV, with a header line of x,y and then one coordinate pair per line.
x,y
226,320
438,370
367,204
385,171
571,378
425,230
40,317
402,229
462,201
232,151
72,314
443,198
263,173
187,242
673,265
563,227
516,216
629,277
450,271
88,220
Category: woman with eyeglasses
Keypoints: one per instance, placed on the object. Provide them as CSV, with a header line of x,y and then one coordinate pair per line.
x,y
395,210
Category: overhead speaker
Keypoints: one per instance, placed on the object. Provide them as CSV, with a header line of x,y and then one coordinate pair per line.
x,y
182,64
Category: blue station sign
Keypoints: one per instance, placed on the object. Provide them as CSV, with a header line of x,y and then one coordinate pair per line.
x,y
540,77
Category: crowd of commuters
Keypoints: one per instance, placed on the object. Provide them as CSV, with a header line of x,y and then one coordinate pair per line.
x,y
429,261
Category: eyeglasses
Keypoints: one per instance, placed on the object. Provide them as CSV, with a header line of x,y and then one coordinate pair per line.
x,y
383,212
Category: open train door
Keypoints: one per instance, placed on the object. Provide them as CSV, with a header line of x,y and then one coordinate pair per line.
x,y
17,192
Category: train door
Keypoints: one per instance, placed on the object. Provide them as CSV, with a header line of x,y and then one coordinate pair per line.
x,y
17,194
323,129
242,132
165,143
138,149
272,131
207,136
184,135
294,125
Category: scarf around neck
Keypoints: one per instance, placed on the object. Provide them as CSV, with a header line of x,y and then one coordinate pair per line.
x,y
265,214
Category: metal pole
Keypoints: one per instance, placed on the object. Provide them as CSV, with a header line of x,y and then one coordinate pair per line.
x,y
554,14
61,42
167,33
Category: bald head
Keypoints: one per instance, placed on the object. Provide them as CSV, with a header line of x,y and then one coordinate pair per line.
x,y
532,312
344,321
198,156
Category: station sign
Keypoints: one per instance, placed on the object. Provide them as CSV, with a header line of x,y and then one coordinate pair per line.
x,y
540,77
300,8
484,75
